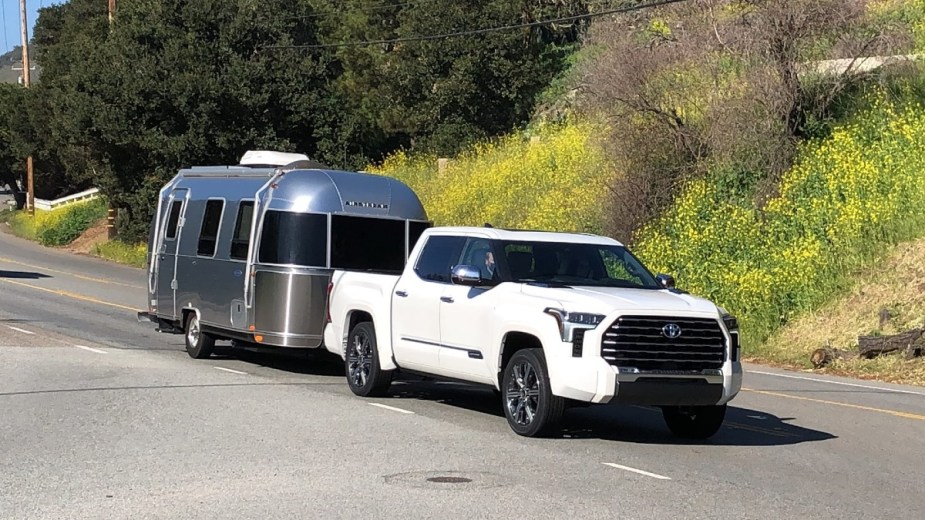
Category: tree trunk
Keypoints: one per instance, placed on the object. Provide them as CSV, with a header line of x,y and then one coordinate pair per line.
x,y
870,347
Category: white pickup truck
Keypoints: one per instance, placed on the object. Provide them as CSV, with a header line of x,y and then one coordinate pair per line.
x,y
544,318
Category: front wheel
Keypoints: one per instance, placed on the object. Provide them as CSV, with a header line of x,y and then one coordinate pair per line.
x,y
529,405
364,375
199,345
694,422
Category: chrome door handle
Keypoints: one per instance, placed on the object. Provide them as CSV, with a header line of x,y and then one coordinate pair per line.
x,y
401,293
447,299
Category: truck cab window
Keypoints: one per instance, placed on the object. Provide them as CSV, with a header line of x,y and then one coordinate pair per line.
x,y
438,257
208,234
173,222
241,239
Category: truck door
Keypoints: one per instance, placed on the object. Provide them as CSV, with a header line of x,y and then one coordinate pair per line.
x,y
466,317
169,240
416,303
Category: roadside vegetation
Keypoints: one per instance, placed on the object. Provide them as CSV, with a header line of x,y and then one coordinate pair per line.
x,y
545,178
887,298
121,252
59,227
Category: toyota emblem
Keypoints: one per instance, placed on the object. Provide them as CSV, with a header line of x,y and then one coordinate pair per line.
x,y
672,330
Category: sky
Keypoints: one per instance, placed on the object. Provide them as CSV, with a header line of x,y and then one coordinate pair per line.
x,y
11,30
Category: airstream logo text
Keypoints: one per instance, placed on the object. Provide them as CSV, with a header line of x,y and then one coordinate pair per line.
x,y
358,204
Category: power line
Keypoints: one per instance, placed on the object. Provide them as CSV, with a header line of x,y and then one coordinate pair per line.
x,y
575,18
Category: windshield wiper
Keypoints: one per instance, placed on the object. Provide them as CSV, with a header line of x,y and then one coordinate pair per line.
x,y
544,283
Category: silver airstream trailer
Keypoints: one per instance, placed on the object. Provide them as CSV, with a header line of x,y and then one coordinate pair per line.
x,y
246,252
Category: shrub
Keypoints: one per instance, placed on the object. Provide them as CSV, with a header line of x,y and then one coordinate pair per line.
x,y
847,197
123,253
61,227
549,178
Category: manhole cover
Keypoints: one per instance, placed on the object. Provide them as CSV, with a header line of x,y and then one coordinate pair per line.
x,y
457,480
449,480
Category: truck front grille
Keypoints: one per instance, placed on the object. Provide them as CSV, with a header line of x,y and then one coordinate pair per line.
x,y
643,342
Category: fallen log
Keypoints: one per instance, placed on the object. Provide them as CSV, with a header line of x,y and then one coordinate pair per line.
x,y
823,356
908,342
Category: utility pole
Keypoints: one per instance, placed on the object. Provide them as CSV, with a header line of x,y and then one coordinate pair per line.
x,y
30,200
111,211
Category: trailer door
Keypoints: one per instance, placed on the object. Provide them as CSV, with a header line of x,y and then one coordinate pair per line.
x,y
169,241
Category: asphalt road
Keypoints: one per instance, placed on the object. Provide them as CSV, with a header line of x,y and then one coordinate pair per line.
x,y
100,417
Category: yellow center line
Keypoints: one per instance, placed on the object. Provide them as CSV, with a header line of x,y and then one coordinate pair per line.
x,y
75,296
75,275
897,413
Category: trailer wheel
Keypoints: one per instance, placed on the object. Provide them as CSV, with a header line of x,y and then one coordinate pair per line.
x,y
694,422
529,404
199,344
364,374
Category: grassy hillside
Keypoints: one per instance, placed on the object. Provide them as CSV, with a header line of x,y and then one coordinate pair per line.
x,y
848,198
547,178
888,298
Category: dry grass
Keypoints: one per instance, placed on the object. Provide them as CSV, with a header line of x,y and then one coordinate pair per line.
x,y
888,298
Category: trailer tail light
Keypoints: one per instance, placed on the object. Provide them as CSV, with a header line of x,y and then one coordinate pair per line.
x,y
327,312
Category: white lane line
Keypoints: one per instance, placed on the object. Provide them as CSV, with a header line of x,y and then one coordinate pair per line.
x,y
387,407
817,380
89,349
223,369
634,470
17,329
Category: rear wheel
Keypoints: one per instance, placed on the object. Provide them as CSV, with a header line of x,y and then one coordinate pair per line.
x,y
694,422
529,405
364,374
199,345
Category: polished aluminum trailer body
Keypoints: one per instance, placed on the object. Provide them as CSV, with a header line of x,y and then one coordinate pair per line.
x,y
250,250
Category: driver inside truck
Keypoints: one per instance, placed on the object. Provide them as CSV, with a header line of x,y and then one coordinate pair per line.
x,y
482,257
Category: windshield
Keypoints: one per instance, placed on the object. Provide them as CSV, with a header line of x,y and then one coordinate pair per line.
x,y
565,263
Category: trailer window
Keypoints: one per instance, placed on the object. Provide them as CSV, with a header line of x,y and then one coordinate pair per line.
x,y
173,221
208,234
294,239
367,243
241,239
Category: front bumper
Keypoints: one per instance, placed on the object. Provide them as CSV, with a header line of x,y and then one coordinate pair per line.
x,y
596,381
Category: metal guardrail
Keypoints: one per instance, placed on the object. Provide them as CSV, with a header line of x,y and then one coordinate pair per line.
x,y
48,205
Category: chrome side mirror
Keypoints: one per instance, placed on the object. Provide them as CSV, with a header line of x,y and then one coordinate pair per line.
x,y
466,275
666,281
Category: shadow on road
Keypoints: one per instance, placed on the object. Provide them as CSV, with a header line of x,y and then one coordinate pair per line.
x,y
311,362
22,275
637,424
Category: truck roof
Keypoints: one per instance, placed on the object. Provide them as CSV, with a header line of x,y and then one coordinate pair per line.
x,y
518,235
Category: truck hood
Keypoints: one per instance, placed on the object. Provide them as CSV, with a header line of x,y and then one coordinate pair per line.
x,y
606,300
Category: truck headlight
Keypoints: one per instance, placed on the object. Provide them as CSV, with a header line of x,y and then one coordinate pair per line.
x,y
570,321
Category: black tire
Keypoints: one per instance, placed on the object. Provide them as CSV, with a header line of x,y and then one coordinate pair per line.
x,y
199,345
364,374
529,405
694,422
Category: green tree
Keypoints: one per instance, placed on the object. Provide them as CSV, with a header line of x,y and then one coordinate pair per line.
x,y
440,94
175,83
